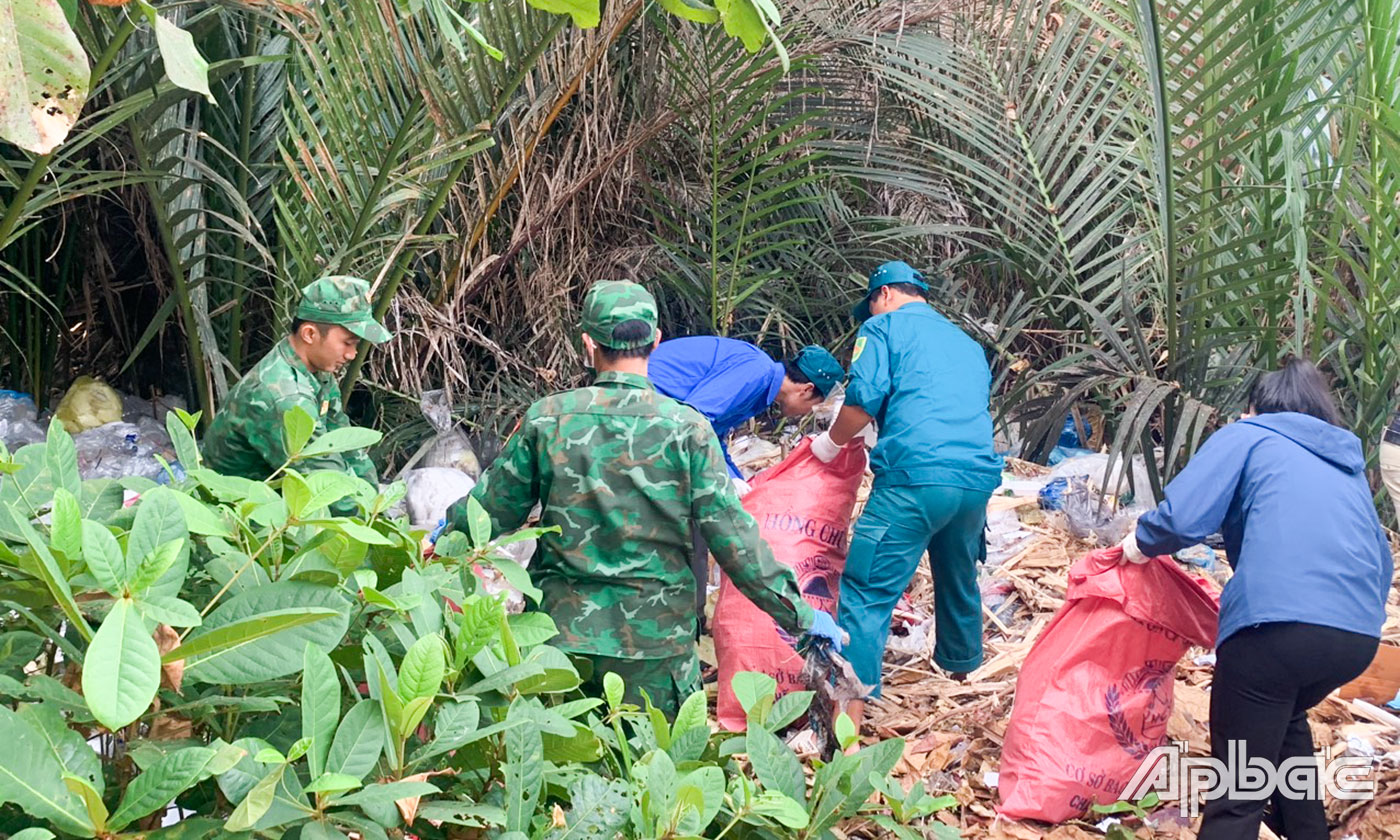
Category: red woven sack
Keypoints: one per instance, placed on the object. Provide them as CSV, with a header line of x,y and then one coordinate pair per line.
x,y
803,508
1095,693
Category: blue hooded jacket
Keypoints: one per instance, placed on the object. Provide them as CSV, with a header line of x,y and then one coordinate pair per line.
x,y
727,380
1288,493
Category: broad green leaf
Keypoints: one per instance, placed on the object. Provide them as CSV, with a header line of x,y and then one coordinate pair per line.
x,y
846,733
201,518
159,520
388,793
422,670
516,575
693,714
454,724
162,609
413,713
692,10
73,752
346,439
122,670
153,566
297,427
359,740
775,764
18,648
558,674
66,526
333,783
755,692
91,799
742,20
776,806
321,831
223,647
709,782
183,63
182,439
523,773
597,808
296,493
353,530
254,651
104,558
43,74
172,775
32,778
613,689
101,498
478,523
532,628
327,487
586,13
320,706
787,709
583,747
48,569
32,834
257,802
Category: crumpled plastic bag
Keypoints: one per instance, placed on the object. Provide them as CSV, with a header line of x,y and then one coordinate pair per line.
x,y
116,450
450,447
431,491
88,404
1088,515
18,420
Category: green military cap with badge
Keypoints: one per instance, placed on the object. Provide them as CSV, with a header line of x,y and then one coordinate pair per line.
x,y
342,301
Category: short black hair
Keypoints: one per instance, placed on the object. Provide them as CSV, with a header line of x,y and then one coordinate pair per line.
x,y
909,289
795,373
627,332
1296,386
320,327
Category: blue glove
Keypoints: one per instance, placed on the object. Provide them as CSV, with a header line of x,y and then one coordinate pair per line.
x,y
825,627
437,531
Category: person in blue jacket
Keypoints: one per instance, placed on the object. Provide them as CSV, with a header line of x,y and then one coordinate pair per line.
x,y
1286,488
731,382
927,385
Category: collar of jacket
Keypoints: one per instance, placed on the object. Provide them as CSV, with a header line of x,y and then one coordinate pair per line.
x,y
284,348
627,380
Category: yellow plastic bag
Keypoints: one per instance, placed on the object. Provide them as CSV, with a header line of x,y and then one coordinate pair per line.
x,y
87,405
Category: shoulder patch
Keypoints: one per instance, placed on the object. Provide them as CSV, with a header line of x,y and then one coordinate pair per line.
x,y
859,348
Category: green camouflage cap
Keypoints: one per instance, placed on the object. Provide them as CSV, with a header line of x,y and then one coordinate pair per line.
x,y
819,366
343,301
612,303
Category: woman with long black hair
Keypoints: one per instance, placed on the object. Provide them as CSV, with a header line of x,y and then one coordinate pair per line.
x,y
1286,488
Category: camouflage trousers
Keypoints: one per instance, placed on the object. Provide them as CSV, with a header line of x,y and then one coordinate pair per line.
x,y
668,682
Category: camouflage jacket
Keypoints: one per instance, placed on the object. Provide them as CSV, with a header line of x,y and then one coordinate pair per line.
x,y
625,473
246,437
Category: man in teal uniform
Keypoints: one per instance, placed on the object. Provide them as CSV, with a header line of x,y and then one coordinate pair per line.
x,y
927,385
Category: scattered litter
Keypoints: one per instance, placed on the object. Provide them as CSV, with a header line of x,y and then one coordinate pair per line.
x,y
119,449
990,779
1205,660
431,491
449,447
752,454
1200,556
88,404
1394,705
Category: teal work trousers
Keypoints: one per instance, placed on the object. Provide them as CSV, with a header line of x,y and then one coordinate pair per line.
x,y
900,524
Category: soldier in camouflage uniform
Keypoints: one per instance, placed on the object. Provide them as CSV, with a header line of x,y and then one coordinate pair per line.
x,y
246,437
625,474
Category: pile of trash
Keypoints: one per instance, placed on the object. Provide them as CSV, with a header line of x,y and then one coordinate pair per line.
x,y
117,435
1038,527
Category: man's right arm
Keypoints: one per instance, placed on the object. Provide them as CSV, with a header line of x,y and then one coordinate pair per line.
x,y
733,538
508,489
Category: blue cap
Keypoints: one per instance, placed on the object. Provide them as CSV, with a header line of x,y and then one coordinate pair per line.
x,y
886,275
819,366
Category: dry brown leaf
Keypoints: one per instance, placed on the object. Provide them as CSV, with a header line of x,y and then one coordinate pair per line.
x,y
408,806
172,674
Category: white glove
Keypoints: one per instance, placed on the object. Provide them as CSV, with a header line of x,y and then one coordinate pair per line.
x,y
1131,552
825,448
741,486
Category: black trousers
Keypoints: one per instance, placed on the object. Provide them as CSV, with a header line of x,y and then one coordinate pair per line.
x,y
1266,679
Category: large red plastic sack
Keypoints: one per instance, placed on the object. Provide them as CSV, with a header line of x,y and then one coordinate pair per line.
x,y
803,508
1095,693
